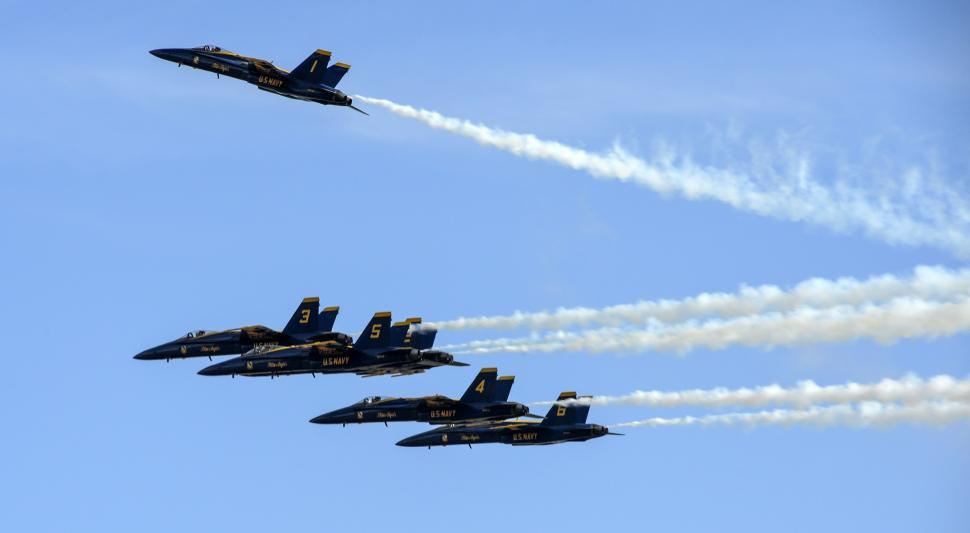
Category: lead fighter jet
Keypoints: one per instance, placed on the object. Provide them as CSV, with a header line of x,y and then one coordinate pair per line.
x,y
486,399
304,326
312,80
566,422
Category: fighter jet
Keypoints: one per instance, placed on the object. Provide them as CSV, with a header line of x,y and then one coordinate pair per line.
x,y
486,399
422,340
566,422
304,326
312,80
370,354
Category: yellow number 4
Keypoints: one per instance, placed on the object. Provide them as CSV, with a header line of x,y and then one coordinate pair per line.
x,y
480,387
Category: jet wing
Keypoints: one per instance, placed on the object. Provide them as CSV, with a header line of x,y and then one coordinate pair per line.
x,y
262,65
478,424
259,334
388,371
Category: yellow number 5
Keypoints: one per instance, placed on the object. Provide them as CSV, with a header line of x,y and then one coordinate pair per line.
x,y
375,331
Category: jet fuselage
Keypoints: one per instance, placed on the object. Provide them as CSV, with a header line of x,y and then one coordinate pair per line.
x,y
258,72
431,409
315,358
514,433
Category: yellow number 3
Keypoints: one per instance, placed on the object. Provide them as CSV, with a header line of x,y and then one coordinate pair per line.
x,y
305,316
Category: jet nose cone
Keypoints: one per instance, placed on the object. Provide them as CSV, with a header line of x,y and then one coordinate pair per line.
x,y
332,417
159,352
410,442
212,370
219,369
428,438
170,54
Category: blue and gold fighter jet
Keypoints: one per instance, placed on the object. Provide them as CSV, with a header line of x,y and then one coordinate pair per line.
x,y
312,80
566,422
381,349
306,325
486,399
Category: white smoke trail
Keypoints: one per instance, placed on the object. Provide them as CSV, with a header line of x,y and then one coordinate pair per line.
x,y
861,415
927,282
910,389
795,198
898,319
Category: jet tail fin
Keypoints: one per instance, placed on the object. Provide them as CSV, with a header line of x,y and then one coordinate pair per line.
x,y
334,73
567,413
374,335
327,318
409,336
502,389
481,388
423,339
313,68
305,319
400,334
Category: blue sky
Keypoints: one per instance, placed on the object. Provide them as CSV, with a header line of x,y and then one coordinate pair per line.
x,y
142,201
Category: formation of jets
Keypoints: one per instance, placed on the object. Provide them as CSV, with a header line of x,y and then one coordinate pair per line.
x,y
480,416
308,345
